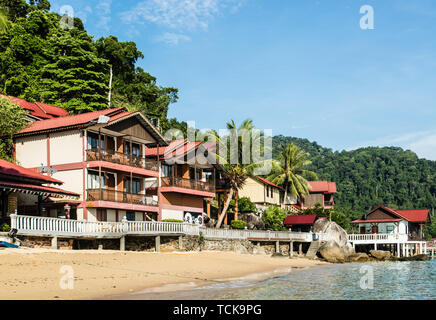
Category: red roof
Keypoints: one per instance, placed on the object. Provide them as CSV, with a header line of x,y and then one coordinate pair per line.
x,y
375,220
38,188
300,219
14,170
268,182
39,109
411,215
322,186
74,120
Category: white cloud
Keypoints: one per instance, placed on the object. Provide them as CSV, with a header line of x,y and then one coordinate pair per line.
x,y
423,143
172,38
103,10
179,14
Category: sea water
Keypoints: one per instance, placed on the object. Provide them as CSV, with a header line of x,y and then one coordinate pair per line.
x,y
370,281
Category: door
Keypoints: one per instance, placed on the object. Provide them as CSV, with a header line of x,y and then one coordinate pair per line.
x,y
362,230
374,229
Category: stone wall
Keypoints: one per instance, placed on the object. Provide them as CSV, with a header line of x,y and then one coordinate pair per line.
x,y
45,242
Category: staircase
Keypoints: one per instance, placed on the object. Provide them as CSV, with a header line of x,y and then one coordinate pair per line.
x,y
313,249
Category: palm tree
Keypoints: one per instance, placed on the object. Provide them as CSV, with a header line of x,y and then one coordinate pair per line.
x,y
290,173
3,21
237,173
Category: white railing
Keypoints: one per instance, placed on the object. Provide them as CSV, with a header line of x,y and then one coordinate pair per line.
x,y
28,225
375,237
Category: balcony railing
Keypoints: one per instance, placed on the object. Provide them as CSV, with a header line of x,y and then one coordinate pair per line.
x,y
188,184
119,196
121,158
329,203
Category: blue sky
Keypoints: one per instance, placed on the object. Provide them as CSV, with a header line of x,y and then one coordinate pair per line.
x,y
302,68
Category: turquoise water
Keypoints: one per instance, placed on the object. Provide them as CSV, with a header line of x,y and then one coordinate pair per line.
x,y
391,280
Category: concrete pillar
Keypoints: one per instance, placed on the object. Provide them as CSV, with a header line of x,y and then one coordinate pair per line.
x,y
123,243
54,242
100,247
300,249
180,242
277,246
157,241
398,249
375,246
291,249
404,250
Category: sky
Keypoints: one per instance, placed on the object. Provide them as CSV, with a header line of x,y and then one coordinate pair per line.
x,y
302,68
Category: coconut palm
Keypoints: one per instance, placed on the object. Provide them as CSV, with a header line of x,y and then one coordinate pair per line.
x,y
237,173
3,21
290,173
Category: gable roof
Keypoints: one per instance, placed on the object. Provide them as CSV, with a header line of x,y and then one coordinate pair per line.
x,y
12,170
268,182
322,186
38,109
411,215
300,219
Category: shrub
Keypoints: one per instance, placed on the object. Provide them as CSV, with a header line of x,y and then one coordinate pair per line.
x,y
5,227
245,205
172,220
273,218
238,224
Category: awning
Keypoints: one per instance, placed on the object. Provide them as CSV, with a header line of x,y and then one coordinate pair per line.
x,y
38,190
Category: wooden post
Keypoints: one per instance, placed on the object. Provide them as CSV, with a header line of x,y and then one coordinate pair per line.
x,y
208,207
225,218
157,243
277,246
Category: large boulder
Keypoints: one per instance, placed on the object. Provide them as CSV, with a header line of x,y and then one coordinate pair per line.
x,y
258,250
380,254
333,252
358,257
419,257
332,230
252,221
240,249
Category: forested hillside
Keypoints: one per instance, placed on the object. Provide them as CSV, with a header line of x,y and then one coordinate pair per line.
x,y
43,58
371,176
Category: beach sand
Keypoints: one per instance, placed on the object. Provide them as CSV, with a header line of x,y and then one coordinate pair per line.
x,y
37,273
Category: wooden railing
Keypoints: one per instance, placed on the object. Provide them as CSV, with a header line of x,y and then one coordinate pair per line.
x,y
187,184
119,196
46,226
121,158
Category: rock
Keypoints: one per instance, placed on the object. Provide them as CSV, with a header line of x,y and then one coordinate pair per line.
x,y
259,250
419,257
358,257
252,220
277,254
333,252
240,249
380,254
332,230
210,223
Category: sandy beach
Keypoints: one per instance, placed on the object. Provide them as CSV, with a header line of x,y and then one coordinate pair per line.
x,y
40,273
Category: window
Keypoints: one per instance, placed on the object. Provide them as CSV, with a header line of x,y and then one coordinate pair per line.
x,y
135,187
267,191
93,180
389,229
93,141
101,214
130,215
136,149
167,171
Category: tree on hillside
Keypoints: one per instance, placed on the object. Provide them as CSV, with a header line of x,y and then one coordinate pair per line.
x,y
11,121
290,172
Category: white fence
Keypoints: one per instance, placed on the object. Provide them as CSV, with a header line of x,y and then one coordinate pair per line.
x,y
377,237
27,225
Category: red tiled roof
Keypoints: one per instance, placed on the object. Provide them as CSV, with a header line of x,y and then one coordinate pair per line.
x,y
300,219
411,215
39,109
38,188
268,182
69,121
322,186
11,169
375,220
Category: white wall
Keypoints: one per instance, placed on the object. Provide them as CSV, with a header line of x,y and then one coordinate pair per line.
x,y
382,227
66,147
72,179
111,215
31,152
172,214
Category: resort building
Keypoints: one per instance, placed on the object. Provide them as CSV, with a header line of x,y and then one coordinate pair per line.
x,y
25,191
320,192
38,110
187,180
100,156
384,220
261,192
301,223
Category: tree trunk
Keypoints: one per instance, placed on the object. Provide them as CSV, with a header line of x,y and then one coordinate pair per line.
x,y
224,212
236,205
110,87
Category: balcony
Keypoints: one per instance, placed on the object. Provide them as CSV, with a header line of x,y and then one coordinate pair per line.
x,y
119,196
188,184
121,158
329,203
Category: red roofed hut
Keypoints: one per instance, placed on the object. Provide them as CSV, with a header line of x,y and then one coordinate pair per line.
x,y
300,223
